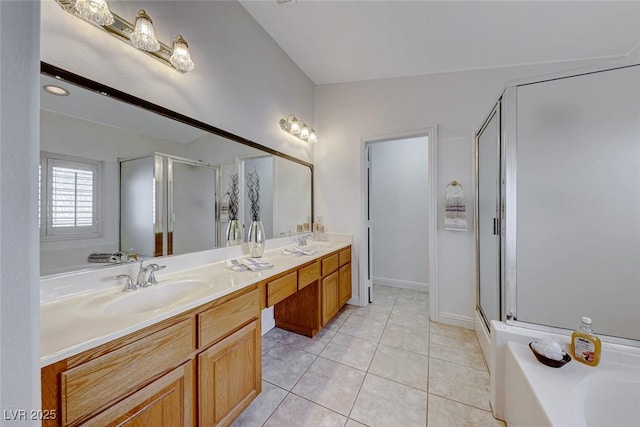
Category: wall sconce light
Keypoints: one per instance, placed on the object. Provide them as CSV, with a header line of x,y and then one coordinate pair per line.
x,y
290,124
141,35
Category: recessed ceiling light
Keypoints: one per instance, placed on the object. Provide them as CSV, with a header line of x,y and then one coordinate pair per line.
x,y
55,90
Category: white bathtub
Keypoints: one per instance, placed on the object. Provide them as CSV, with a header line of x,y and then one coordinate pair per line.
x,y
527,393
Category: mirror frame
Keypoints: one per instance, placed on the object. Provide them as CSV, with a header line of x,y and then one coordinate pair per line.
x,y
104,90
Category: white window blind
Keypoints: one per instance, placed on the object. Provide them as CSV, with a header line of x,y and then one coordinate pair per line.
x,y
71,198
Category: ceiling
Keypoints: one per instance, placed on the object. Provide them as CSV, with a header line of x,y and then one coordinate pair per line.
x,y
342,41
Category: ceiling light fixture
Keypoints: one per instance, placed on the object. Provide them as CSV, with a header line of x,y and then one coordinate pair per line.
x,y
141,35
290,124
55,90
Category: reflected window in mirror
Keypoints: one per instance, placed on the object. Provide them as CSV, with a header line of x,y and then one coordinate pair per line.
x,y
69,197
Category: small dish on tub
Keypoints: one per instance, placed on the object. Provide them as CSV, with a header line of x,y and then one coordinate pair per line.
x,y
550,362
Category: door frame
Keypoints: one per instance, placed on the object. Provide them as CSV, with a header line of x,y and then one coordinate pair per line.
x,y
365,270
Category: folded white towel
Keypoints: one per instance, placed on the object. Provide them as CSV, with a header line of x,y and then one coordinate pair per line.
x,y
245,264
455,211
297,251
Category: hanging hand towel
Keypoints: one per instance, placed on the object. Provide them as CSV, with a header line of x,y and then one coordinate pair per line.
x,y
455,210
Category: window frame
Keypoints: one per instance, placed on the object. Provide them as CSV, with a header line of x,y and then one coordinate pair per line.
x,y
47,231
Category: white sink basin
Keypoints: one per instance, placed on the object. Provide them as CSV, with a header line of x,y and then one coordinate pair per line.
x,y
162,296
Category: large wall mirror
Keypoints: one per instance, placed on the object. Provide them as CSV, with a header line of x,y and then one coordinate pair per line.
x,y
120,175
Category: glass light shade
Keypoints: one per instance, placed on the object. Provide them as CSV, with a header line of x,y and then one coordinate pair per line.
x,y
143,36
95,11
295,126
304,132
312,137
181,58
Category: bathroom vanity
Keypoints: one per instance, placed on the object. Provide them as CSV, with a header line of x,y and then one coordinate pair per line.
x,y
193,363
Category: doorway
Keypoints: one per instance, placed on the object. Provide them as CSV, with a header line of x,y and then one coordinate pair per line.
x,y
399,232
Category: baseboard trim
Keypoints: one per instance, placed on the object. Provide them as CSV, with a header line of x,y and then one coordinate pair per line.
x,y
457,320
403,284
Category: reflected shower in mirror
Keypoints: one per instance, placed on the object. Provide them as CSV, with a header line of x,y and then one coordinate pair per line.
x,y
118,180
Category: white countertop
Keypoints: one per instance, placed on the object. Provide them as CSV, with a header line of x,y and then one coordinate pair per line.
x,y
72,320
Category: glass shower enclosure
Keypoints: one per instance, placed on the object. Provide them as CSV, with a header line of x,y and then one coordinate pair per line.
x,y
168,205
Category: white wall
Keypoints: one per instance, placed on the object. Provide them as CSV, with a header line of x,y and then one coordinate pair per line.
x,y
61,134
399,202
242,82
457,103
19,257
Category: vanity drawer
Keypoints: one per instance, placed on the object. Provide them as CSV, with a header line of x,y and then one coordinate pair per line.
x,y
329,264
219,321
281,288
345,256
88,387
309,274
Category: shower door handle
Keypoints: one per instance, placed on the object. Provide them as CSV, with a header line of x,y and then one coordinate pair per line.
x,y
496,226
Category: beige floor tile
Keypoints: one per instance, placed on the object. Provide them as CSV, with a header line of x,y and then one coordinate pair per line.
x,y
467,352
459,383
382,403
262,407
267,345
313,345
385,290
419,324
446,413
410,309
283,365
349,350
372,311
275,335
384,299
411,295
339,319
354,423
453,331
330,384
294,411
405,339
363,327
402,366
271,338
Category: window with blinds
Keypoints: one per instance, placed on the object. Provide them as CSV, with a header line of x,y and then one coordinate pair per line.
x,y
69,195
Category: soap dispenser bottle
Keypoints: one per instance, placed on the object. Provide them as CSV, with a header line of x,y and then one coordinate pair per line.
x,y
585,346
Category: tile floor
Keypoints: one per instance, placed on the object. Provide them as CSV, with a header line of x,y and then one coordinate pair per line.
x,y
383,365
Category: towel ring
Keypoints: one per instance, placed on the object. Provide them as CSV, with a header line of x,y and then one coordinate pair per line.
x,y
455,184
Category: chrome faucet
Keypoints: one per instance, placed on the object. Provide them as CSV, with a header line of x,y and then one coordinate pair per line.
x,y
152,273
144,281
302,240
141,278
128,285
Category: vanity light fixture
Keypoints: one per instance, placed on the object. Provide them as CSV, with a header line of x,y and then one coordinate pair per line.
x,y
95,11
181,58
141,35
290,124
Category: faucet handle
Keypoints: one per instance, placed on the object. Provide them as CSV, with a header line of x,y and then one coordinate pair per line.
x,y
152,273
128,284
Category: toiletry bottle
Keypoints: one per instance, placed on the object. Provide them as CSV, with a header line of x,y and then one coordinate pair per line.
x,y
585,346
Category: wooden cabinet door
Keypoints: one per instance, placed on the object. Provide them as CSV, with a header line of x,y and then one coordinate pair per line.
x,y
330,298
166,402
229,376
344,291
